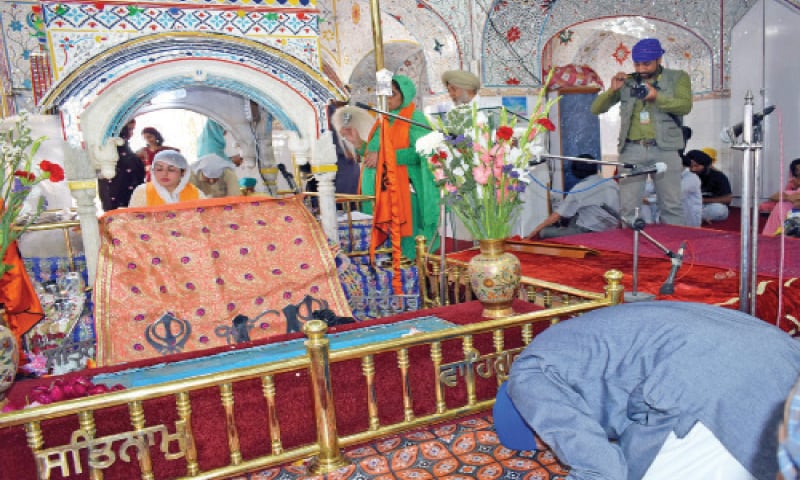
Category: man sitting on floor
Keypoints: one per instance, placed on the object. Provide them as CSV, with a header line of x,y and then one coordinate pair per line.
x,y
589,205
714,185
653,390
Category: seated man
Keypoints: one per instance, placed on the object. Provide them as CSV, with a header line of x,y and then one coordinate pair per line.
x,y
714,185
653,390
586,205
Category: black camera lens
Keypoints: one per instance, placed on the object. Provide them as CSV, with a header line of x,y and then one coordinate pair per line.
x,y
639,91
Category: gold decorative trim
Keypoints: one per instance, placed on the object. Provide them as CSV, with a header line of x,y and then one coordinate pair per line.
x,y
324,168
82,184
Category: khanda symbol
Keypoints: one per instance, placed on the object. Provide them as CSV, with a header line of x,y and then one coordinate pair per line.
x,y
168,334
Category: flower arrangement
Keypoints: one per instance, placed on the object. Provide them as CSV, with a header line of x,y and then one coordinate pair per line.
x,y
17,179
483,171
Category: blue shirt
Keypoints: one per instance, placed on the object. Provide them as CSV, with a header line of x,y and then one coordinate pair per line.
x,y
636,372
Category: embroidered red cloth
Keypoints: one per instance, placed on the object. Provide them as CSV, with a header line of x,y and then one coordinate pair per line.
x,y
204,262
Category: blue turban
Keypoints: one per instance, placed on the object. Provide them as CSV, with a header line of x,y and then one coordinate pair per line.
x,y
647,49
247,182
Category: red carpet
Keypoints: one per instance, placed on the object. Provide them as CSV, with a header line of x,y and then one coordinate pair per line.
x,y
695,281
708,247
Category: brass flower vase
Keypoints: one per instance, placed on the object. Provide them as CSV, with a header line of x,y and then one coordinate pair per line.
x,y
9,356
494,276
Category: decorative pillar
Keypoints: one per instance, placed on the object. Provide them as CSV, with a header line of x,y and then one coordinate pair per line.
x,y
323,166
300,151
82,184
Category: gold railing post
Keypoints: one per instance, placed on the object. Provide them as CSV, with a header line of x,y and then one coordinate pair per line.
x,y
317,349
614,288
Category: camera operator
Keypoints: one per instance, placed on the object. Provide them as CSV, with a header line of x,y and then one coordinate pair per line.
x,y
652,102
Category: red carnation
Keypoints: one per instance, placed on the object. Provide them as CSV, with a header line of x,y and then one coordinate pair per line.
x,y
505,132
56,172
29,176
546,123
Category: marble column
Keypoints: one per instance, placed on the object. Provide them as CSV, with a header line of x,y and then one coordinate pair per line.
x,y
323,166
80,173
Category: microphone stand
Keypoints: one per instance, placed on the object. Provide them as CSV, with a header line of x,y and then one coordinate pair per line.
x,y
751,171
638,229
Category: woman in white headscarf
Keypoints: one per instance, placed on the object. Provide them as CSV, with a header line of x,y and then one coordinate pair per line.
x,y
169,182
215,177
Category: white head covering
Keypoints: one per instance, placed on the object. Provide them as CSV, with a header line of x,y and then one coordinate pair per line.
x,y
212,165
174,158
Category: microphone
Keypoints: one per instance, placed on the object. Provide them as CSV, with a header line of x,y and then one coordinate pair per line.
x,y
677,259
658,167
729,134
288,177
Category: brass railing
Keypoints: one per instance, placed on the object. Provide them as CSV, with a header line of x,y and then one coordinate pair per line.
x,y
178,440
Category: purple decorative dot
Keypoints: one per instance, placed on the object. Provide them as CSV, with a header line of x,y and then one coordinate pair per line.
x,y
227,208
314,289
281,202
276,271
234,226
132,266
162,289
200,210
139,317
288,219
136,290
190,285
261,222
244,251
185,260
109,220
287,295
115,241
171,215
214,254
144,237
175,233
205,230
298,241
203,339
155,261
259,300
220,281
304,266
140,216
200,312
255,204
271,247
248,276
138,347
264,325
231,306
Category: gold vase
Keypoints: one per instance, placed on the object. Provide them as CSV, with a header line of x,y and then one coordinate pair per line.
x,y
494,276
9,356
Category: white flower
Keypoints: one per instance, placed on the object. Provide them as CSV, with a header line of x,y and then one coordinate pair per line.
x,y
523,175
430,143
458,171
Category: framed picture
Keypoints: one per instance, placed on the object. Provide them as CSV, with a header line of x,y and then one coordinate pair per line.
x,y
518,105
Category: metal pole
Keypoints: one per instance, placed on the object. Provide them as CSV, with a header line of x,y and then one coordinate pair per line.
x,y
442,259
745,226
377,42
754,224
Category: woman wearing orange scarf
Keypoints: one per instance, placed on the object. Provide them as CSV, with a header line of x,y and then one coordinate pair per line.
x,y
169,184
424,196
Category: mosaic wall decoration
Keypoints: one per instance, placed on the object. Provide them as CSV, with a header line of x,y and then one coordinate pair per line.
x,y
596,44
77,32
516,34
19,40
93,78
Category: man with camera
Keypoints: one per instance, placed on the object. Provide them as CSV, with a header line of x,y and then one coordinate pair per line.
x,y
653,101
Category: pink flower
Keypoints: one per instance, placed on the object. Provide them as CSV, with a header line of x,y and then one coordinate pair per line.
x,y
451,188
438,174
481,174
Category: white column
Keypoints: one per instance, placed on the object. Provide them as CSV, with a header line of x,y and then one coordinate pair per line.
x,y
323,166
82,183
